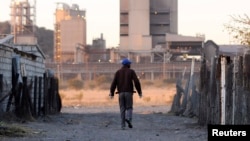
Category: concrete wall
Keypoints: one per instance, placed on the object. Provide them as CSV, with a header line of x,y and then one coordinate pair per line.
x,y
138,25
173,6
72,33
21,39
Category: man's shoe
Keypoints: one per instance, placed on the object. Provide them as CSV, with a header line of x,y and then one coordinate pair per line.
x,y
129,123
123,128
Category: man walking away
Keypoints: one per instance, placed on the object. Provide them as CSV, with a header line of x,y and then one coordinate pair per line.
x,y
125,79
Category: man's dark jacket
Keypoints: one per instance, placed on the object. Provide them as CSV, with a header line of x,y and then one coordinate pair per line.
x,y
124,80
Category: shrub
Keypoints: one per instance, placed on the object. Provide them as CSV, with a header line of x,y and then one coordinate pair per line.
x,y
101,82
89,85
102,79
147,83
76,84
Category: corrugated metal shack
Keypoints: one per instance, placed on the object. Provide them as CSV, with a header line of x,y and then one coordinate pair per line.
x,y
27,88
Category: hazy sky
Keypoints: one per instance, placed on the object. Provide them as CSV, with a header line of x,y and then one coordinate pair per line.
x,y
194,17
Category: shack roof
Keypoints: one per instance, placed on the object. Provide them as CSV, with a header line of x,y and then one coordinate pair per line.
x,y
232,50
227,50
31,50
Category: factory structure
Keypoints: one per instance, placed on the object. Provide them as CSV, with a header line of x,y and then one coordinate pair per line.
x,y
23,21
69,33
148,34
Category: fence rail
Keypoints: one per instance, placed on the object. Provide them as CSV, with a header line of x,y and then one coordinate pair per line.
x,y
150,70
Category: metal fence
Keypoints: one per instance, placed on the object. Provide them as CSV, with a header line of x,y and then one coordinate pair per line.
x,y
150,71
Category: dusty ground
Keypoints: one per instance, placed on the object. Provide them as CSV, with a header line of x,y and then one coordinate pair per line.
x,y
92,116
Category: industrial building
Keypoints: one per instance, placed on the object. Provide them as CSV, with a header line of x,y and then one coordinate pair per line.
x,y
23,19
143,23
69,33
148,36
149,32
98,51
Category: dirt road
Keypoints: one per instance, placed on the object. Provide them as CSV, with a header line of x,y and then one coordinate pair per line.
x,y
102,123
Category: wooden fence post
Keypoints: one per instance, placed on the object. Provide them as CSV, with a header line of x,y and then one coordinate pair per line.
x,y
58,97
40,96
26,101
211,92
1,83
203,104
223,91
235,70
35,97
45,93
188,111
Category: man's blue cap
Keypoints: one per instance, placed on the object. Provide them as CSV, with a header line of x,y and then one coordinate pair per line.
x,y
126,61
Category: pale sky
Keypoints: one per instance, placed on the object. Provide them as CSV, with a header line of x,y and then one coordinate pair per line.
x,y
194,17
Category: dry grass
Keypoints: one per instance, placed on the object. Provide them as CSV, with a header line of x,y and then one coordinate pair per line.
x,y
86,97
